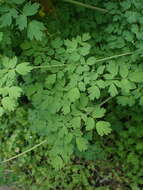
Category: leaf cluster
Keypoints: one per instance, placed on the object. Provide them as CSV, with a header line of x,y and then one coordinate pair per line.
x,y
80,88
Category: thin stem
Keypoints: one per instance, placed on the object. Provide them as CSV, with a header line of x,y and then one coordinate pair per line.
x,y
86,5
25,152
97,61
102,103
47,66
112,57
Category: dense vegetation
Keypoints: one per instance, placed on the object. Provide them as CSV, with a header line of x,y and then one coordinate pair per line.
x,y
71,94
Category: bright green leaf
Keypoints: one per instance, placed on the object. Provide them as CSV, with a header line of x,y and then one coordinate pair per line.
x,y
66,107
82,86
136,76
84,50
126,100
101,83
90,123
57,43
74,56
73,94
103,128
101,69
112,68
76,122
86,37
1,111
126,85
124,70
15,92
83,100
23,68
98,112
91,61
8,103
94,92
9,63
113,90
57,162
51,79
81,143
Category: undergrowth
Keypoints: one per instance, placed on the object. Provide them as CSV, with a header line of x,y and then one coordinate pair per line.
x,y
71,95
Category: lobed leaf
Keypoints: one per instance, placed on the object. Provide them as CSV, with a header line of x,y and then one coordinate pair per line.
x,y
103,128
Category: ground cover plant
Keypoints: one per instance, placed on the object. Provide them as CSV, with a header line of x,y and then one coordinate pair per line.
x,y
71,85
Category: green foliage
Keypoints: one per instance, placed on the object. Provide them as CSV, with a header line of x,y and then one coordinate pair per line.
x,y
79,87
35,30
16,14
23,68
103,127
9,89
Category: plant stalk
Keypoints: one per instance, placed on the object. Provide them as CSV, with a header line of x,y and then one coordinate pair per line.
x,y
21,154
86,5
